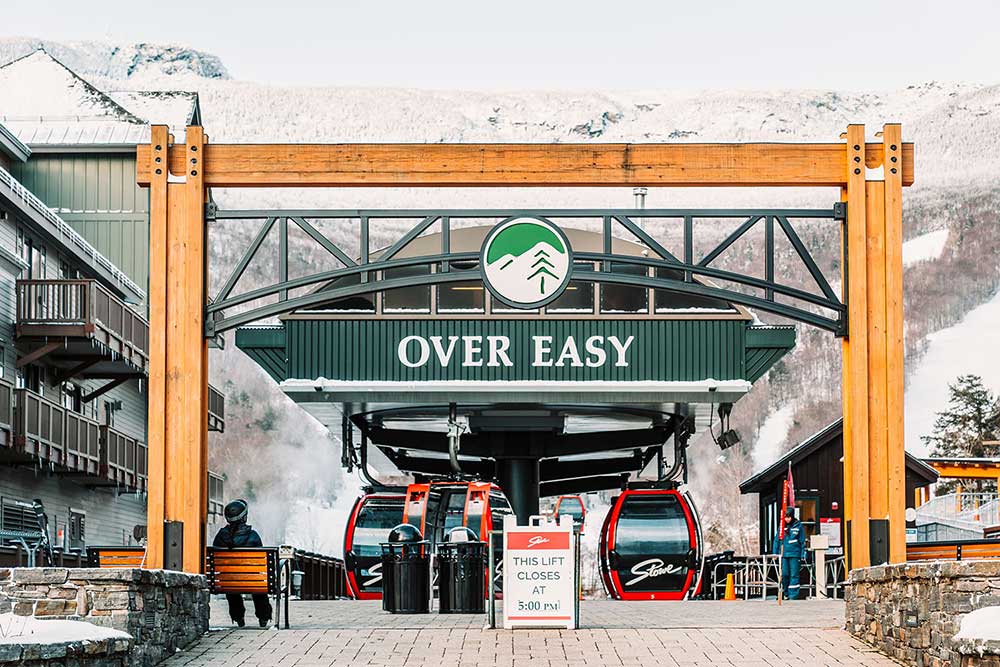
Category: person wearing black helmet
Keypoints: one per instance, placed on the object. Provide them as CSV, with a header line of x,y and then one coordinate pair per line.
x,y
792,549
236,534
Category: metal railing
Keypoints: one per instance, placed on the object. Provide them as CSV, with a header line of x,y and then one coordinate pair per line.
x,y
967,511
65,230
47,304
216,410
324,577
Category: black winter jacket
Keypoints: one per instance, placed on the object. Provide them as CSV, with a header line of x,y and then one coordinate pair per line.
x,y
237,535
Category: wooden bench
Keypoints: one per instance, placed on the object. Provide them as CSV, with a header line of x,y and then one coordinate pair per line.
x,y
970,550
253,570
116,556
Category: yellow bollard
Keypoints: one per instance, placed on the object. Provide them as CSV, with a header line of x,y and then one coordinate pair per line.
x,y
730,588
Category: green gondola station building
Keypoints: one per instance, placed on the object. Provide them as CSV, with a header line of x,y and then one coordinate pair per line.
x,y
568,373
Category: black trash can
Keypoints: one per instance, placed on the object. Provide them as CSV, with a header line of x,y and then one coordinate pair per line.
x,y
406,572
462,573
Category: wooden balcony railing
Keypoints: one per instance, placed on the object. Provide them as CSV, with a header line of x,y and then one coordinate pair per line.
x,y
124,459
216,410
6,413
97,455
82,308
83,445
39,427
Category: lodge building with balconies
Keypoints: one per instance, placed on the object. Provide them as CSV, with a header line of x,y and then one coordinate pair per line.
x,y
74,333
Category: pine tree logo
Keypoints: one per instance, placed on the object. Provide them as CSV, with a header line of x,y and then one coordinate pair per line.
x,y
526,262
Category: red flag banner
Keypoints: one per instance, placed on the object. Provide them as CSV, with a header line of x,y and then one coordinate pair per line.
x,y
791,487
784,506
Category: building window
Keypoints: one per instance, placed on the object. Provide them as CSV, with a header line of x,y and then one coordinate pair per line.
x,y
579,295
618,298
30,378
462,297
72,397
33,255
415,299
77,528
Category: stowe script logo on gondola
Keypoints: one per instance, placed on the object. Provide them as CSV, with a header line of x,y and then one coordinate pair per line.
x,y
526,262
650,569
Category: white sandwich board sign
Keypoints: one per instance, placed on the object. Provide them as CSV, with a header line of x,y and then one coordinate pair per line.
x,y
539,574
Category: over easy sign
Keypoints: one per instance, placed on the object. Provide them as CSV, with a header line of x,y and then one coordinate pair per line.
x,y
539,582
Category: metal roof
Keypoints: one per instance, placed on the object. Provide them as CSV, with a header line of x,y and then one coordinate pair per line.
x,y
808,446
12,146
50,107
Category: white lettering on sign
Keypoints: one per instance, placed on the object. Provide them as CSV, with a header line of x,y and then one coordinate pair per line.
x,y
473,351
596,356
443,354
621,348
403,351
536,540
495,351
543,350
498,351
650,569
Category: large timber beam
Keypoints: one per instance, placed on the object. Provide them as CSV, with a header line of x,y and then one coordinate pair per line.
x,y
177,505
874,459
522,165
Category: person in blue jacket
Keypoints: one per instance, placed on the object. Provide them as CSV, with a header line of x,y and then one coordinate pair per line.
x,y
793,550
237,533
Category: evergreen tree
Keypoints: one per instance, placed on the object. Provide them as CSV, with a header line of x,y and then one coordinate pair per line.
x,y
972,417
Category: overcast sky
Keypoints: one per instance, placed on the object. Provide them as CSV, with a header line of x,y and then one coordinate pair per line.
x,y
543,44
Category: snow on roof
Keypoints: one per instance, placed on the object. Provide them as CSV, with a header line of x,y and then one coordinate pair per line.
x,y
175,108
26,630
47,104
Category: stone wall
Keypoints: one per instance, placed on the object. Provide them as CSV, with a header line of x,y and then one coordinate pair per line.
x,y
92,653
912,612
162,610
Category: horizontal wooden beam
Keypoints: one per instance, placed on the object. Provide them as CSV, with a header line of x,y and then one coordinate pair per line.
x,y
967,471
519,165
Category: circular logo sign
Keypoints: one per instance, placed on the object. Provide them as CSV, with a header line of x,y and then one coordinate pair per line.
x,y
526,262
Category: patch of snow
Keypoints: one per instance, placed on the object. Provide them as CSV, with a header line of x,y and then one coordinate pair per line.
x,y
771,436
47,89
925,247
967,347
981,624
30,630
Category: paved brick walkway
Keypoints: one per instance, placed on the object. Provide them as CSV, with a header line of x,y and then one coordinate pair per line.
x,y
614,633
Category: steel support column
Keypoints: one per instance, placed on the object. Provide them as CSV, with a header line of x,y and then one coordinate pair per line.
x,y
519,479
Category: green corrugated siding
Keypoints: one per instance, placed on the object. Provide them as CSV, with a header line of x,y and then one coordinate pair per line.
x,y
266,346
663,350
98,196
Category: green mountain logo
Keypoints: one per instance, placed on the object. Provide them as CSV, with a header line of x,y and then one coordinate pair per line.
x,y
526,262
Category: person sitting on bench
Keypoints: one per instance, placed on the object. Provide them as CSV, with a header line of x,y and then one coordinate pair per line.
x,y
237,534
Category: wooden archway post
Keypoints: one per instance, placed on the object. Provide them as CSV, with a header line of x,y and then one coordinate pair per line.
x,y
178,178
872,389
177,504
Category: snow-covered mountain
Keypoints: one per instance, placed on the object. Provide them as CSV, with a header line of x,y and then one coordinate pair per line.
x,y
950,215
119,61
